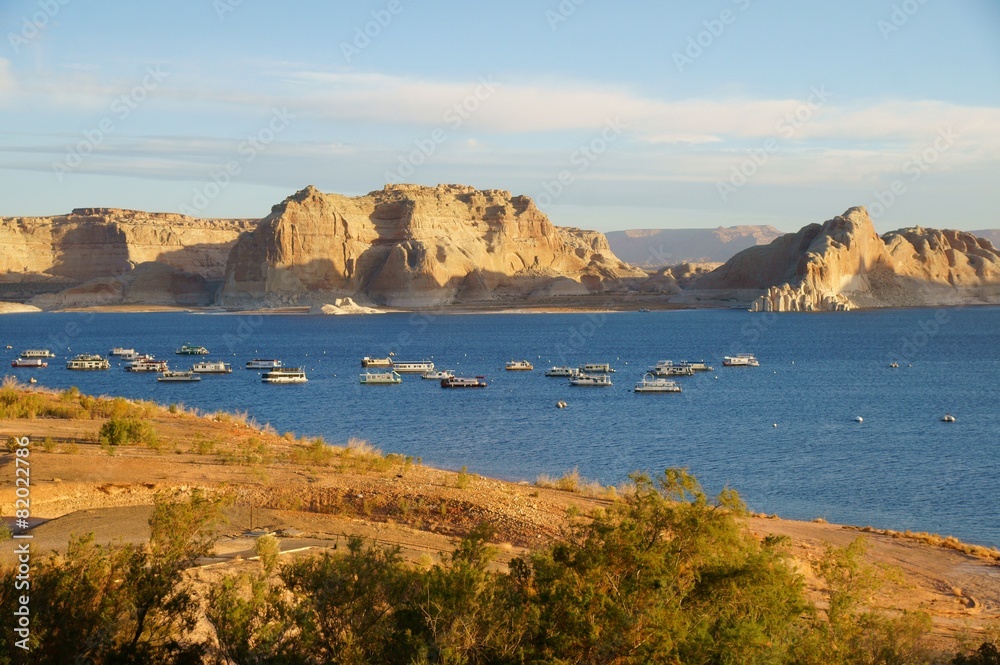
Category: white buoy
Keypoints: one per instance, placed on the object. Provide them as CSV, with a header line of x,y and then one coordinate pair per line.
x,y
775,425
859,419
948,418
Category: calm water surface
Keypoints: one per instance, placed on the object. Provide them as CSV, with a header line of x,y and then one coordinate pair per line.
x,y
901,468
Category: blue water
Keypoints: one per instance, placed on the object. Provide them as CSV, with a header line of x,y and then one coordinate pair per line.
x,y
901,468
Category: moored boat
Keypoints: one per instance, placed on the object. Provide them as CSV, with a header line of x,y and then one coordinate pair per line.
x,y
380,378
597,380
284,375
376,362
191,350
413,367
210,367
147,365
519,366
36,353
169,376
28,362
604,368
697,366
86,361
123,353
463,382
650,384
741,360
263,363
438,374
669,368
562,371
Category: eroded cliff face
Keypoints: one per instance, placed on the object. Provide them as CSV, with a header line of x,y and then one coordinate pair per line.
x,y
413,246
843,264
94,243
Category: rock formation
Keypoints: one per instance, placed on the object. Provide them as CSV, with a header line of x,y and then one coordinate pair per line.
x,y
146,284
413,246
843,264
102,242
662,247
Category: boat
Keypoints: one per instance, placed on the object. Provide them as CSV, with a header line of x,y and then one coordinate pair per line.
x,y
284,375
147,365
699,366
178,376
562,371
668,368
438,374
191,350
28,362
894,365
88,361
741,360
209,367
37,353
590,380
122,352
597,368
417,367
376,362
261,363
463,382
650,384
948,418
519,366
380,378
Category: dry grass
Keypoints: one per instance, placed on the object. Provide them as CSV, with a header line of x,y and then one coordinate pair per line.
x,y
572,481
946,542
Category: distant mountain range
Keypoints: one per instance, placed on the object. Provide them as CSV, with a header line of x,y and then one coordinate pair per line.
x,y
663,247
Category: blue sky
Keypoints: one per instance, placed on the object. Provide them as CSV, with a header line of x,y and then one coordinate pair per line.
x,y
611,115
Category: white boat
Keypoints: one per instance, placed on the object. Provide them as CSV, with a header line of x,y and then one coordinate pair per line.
x,y
191,350
669,368
37,353
699,366
417,367
597,367
464,382
741,360
178,376
88,361
147,365
380,378
122,352
376,362
262,363
209,367
590,380
284,375
562,371
519,366
438,374
650,384
28,362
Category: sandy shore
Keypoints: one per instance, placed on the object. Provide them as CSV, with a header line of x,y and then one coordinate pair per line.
x,y
274,485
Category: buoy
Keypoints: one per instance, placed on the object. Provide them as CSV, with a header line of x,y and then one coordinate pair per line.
x,y
561,404
775,425
859,419
894,365
948,418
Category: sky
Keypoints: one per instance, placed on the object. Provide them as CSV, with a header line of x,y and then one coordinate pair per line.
x,y
611,116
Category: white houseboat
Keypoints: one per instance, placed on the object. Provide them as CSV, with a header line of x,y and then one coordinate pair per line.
x,y
650,384
380,378
284,375
519,366
37,353
741,360
192,350
438,374
604,368
210,367
464,382
28,362
413,367
262,363
88,361
178,377
562,371
598,380
147,365
376,362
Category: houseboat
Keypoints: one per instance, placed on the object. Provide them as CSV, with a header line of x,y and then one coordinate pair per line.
x,y
178,377
519,366
380,378
37,353
741,360
417,367
147,365
88,361
261,363
650,384
28,362
123,353
668,368
562,371
438,374
597,380
603,368
284,375
376,362
192,350
464,382
209,367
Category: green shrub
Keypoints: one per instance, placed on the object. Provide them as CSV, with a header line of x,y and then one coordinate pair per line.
x,y
120,431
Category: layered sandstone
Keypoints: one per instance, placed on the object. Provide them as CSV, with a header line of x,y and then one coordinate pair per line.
x,y
413,246
843,263
92,243
146,284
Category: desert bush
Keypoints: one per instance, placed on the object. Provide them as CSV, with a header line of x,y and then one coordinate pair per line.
x,y
119,431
